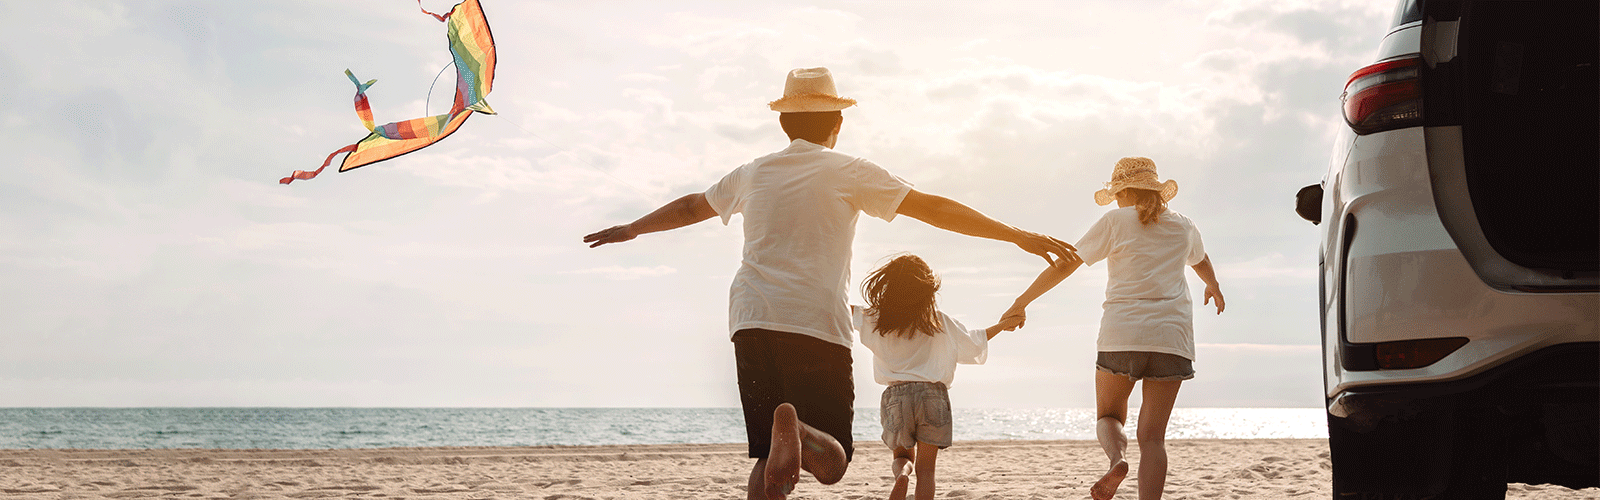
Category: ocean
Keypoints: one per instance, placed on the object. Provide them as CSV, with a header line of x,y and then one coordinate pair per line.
x,y
325,428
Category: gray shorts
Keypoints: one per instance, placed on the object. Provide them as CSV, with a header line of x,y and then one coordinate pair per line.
x,y
1140,365
913,412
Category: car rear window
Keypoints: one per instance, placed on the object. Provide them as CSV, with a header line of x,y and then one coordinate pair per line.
x,y
1409,11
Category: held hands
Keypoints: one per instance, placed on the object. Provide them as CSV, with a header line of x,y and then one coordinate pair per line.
x,y
1011,323
1016,312
1008,323
613,234
1214,292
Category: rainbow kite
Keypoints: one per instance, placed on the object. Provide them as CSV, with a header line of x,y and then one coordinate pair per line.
x,y
473,48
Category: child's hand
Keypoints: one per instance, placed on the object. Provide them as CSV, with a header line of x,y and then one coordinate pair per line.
x,y
1017,313
1010,323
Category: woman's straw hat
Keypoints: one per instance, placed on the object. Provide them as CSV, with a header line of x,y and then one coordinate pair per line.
x,y
809,90
1139,173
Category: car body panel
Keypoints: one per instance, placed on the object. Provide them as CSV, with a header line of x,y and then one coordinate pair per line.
x,y
1392,269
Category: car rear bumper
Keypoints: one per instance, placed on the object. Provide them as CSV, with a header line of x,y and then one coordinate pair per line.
x,y
1569,370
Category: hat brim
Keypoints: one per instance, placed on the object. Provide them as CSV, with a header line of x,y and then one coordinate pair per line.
x,y
810,103
1104,197
1168,191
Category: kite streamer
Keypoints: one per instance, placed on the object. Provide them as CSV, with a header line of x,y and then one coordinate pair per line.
x,y
472,46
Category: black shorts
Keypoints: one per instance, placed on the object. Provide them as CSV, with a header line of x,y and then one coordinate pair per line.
x,y
810,373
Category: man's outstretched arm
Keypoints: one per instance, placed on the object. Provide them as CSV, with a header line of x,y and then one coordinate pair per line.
x,y
951,215
690,209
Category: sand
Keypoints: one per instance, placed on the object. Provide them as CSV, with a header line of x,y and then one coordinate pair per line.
x,y
1202,469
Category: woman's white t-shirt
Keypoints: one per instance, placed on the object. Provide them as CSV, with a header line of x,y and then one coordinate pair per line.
x,y
920,357
1147,305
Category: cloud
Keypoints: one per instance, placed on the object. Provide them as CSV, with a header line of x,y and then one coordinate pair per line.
x,y
1273,267
140,210
643,78
1331,25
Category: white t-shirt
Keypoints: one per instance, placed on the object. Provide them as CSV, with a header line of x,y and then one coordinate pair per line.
x,y
920,357
1147,304
800,207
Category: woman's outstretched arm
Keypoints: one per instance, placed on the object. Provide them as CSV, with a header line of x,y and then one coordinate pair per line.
x,y
1048,279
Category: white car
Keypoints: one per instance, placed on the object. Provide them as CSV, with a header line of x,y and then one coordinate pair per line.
x,y
1460,255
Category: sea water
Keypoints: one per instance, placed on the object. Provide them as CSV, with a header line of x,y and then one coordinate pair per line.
x,y
321,428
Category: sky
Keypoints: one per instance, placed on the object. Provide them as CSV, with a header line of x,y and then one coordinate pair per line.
x,y
150,258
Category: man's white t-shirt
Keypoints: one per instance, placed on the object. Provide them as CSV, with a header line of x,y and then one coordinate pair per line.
x,y
800,207
1147,305
920,357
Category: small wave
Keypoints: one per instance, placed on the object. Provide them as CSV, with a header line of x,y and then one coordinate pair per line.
x,y
168,432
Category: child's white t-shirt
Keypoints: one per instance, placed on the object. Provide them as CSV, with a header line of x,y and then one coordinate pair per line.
x,y
920,357
1147,305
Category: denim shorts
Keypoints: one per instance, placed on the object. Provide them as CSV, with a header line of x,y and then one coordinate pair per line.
x,y
913,412
812,374
1140,365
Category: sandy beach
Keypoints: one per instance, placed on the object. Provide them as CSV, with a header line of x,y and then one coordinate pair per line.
x,y
1203,469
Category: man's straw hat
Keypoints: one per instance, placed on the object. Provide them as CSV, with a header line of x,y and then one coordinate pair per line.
x,y
808,90
1138,173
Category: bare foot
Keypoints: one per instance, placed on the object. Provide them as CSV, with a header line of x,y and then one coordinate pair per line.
x,y
901,483
1106,487
783,460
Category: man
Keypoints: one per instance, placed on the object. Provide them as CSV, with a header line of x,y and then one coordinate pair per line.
x,y
788,315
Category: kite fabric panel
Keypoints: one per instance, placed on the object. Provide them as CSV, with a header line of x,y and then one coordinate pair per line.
x,y
472,46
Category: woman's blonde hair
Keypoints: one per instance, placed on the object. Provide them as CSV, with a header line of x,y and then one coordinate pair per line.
x,y
1148,203
901,293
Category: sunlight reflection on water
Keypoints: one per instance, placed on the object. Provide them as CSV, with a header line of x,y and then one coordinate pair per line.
x,y
312,428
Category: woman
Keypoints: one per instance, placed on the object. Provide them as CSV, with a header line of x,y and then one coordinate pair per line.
x,y
1147,330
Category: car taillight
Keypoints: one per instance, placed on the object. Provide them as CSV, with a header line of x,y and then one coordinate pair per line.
x,y
1384,96
1415,353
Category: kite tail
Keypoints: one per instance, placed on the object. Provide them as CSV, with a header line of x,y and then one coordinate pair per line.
x,y
363,108
435,16
304,175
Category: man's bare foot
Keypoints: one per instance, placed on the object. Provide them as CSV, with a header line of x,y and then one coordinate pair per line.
x,y
1106,487
783,460
901,483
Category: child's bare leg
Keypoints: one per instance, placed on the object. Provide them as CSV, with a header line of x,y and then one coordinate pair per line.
x,y
927,464
1111,405
1159,398
797,446
901,484
902,461
901,468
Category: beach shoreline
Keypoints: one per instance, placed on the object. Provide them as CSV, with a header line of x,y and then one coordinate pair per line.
x,y
1201,469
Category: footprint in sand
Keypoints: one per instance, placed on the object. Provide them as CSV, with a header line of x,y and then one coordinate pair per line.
x,y
172,488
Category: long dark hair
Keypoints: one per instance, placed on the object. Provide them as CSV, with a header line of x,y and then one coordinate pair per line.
x,y
1149,204
902,294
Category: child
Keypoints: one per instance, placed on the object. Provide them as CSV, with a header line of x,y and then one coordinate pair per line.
x,y
915,350
1147,330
